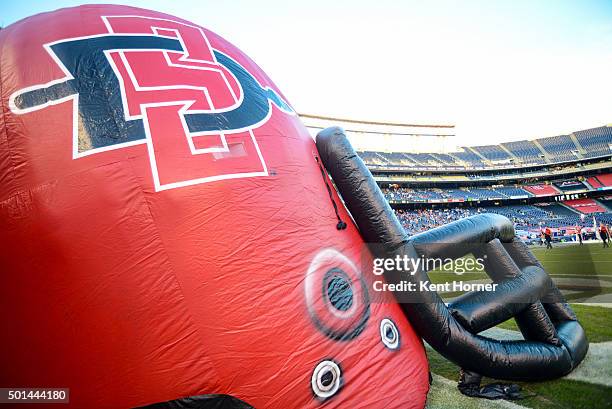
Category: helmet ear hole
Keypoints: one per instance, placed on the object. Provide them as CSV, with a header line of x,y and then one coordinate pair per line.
x,y
336,296
338,289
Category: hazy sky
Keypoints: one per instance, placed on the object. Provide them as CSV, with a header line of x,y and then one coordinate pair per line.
x,y
499,70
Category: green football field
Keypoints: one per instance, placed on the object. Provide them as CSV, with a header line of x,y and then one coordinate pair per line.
x,y
584,275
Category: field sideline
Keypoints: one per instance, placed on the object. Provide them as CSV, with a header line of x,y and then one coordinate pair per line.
x,y
584,275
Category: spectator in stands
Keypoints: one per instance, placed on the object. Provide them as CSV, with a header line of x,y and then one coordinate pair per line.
x,y
548,237
528,219
419,220
604,234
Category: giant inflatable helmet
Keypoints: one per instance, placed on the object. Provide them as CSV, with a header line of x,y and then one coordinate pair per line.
x,y
171,236
167,233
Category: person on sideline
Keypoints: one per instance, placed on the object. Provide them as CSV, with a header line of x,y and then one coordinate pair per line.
x,y
604,234
548,237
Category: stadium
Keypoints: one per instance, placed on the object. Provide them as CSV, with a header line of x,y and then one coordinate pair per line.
x,y
559,182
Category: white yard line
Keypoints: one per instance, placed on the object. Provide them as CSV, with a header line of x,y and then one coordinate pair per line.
x,y
584,261
596,304
579,275
582,282
600,300
597,365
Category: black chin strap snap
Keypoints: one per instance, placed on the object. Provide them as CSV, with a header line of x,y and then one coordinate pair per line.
x,y
341,224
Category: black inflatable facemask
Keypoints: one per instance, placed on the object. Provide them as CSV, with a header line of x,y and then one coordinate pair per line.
x,y
554,344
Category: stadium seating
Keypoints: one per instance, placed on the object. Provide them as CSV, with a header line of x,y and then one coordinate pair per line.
x,y
510,191
542,190
557,215
526,214
595,183
525,217
586,206
430,194
607,202
469,158
372,158
449,194
425,159
492,152
525,151
529,217
559,148
445,159
605,180
605,218
493,193
415,221
487,194
560,215
397,159
595,141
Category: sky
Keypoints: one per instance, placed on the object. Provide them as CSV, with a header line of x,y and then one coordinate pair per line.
x,y
498,70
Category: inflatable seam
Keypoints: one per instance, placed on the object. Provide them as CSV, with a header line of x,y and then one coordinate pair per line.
x,y
3,112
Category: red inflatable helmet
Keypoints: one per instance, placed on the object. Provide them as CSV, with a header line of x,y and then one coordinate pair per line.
x,y
166,230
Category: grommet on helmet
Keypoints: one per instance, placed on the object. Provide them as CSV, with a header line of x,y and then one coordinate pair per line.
x,y
389,334
326,379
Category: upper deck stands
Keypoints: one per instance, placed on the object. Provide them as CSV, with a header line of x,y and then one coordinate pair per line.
x,y
446,159
510,191
559,148
526,151
492,152
469,158
596,141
